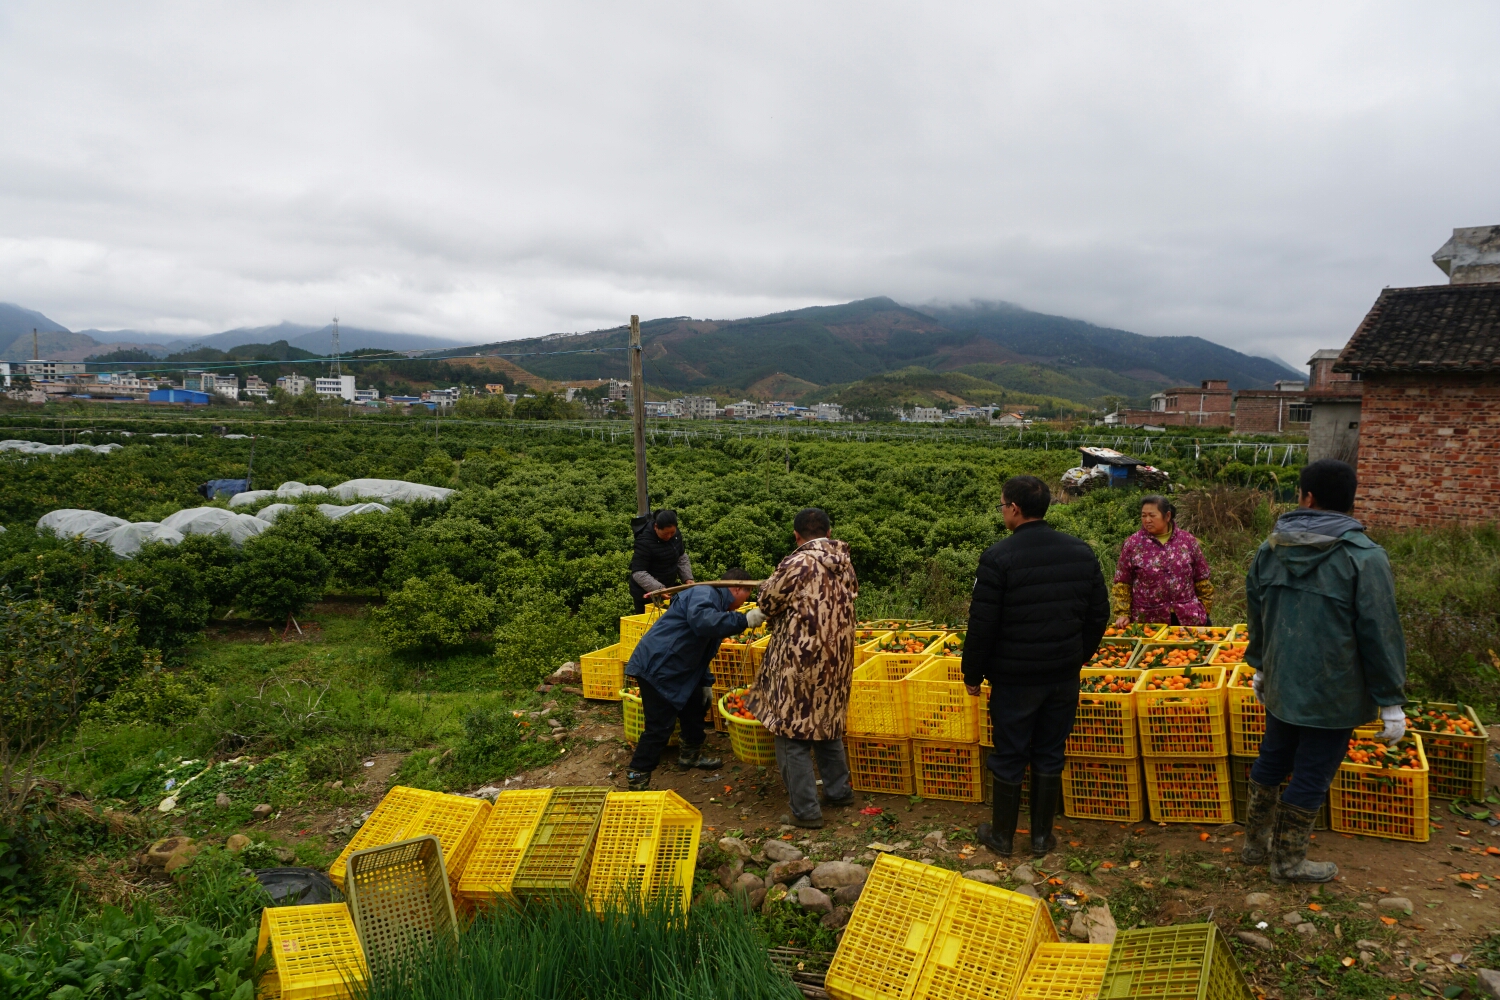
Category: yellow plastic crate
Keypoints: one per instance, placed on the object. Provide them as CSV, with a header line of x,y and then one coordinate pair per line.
x,y
1114,654
953,771
1064,972
647,848
315,952
603,673
497,853
865,641
877,696
1198,633
1188,723
1247,717
891,931
400,900
984,941
938,706
1389,803
1229,653
557,860
751,742
1189,790
1104,725
951,644
986,728
1104,788
879,765
404,813
1455,761
1184,962
737,663
633,715
931,639
634,627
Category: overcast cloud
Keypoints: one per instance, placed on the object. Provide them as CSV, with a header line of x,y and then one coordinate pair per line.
x,y
1251,174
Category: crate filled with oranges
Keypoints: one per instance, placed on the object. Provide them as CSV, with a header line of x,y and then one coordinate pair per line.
x,y
1455,742
1115,654
1105,723
1134,630
1181,712
1381,791
1173,654
1197,633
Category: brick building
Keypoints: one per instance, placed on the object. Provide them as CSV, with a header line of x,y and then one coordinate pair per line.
x,y
1209,404
1333,400
1272,411
1429,361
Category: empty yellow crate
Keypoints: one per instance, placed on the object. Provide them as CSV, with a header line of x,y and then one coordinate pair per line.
x,y
1182,723
986,728
647,848
603,673
952,771
984,941
497,853
751,742
1105,788
557,860
1390,803
877,696
404,813
315,952
1104,725
879,765
1247,716
634,627
1064,972
938,706
1189,790
400,901
1183,962
891,931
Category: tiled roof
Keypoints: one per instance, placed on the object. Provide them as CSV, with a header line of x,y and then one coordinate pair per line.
x,y
1439,328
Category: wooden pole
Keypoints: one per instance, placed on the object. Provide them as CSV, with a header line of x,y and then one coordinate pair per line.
x,y
638,417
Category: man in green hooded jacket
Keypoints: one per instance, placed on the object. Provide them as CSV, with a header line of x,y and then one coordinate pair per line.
x,y
1327,648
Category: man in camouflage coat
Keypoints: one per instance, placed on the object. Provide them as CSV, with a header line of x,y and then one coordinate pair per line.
x,y
802,691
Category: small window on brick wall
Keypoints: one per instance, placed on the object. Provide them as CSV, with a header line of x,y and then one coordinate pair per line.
x,y
1299,413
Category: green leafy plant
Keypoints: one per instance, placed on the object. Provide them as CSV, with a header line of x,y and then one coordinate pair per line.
x,y
281,577
433,613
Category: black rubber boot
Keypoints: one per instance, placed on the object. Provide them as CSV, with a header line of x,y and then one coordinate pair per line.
x,y
639,781
999,835
1046,800
692,757
1260,820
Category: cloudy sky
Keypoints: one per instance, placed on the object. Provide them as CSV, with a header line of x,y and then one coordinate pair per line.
x,y
1252,174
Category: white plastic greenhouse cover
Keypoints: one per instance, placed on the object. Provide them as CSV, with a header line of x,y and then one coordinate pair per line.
x,y
271,512
296,489
37,448
73,523
238,528
126,540
389,490
248,498
333,511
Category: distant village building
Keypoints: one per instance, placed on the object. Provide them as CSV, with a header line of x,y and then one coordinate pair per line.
x,y
335,386
925,415
40,369
1333,400
256,387
1429,361
294,384
1272,411
1210,404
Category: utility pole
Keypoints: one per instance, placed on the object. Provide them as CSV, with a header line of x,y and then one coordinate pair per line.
x,y
34,355
638,417
337,369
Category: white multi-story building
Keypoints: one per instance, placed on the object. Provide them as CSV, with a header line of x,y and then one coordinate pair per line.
x,y
294,384
442,397
832,412
5,372
39,367
366,395
699,407
256,387
925,415
338,386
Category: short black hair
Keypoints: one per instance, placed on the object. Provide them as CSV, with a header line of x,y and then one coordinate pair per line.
x,y
812,522
734,573
1162,504
1029,493
666,519
1331,482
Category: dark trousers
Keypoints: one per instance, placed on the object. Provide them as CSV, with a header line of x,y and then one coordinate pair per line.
x,y
640,603
1031,724
1311,756
660,718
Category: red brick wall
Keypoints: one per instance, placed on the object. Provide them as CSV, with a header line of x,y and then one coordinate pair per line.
x,y
1257,412
1429,449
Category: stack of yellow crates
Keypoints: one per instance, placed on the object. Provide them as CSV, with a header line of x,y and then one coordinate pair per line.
x,y
1183,725
1102,777
878,732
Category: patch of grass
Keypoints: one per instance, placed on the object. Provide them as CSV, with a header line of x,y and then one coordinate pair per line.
x,y
790,926
1134,906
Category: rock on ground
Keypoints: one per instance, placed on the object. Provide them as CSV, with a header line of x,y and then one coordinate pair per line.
x,y
756,899
222,801
847,895
1307,929
780,850
1101,923
1257,900
986,875
1255,940
159,853
837,874
748,883
814,899
789,871
1027,889
1394,903
1023,873
262,811
237,842
1489,982
1292,919
181,858
735,846
728,873
802,883
836,919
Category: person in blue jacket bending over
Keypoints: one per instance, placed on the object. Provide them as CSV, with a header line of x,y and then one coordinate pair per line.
x,y
671,664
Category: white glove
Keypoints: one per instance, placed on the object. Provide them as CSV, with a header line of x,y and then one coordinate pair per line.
x,y
754,617
1256,682
1394,717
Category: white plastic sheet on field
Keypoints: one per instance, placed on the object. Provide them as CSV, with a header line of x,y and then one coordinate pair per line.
x,y
238,528
296,489
271,512
37,448
74,523
126,540
388,490
250,497
333,511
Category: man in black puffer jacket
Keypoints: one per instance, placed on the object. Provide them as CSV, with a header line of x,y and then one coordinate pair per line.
x,y
1038,613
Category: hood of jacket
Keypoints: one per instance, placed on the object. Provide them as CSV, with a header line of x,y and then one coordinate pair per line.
x,y
832,554
1303,538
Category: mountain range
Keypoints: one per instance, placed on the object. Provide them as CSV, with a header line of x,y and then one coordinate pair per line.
x,y
859,353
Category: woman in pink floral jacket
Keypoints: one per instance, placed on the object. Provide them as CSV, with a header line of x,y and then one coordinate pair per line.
x,y
1162,575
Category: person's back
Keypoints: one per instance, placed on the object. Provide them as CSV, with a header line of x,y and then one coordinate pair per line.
x,y
1328,654
1038,612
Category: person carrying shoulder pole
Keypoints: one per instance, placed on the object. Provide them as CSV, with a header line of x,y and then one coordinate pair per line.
x,y
671,663
1038,613
801,692
1328,653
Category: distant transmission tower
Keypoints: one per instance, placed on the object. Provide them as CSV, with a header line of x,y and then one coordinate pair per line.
x,y
336,369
